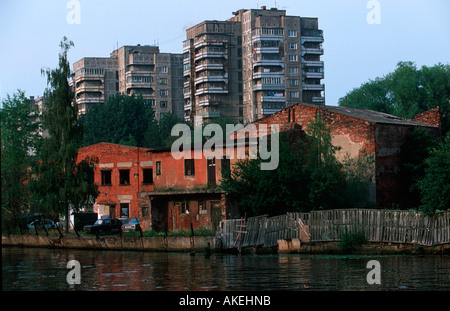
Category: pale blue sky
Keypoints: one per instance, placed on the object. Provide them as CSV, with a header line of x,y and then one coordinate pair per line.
x,y
355,51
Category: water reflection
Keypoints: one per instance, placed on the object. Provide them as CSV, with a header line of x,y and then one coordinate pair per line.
x,y
45,269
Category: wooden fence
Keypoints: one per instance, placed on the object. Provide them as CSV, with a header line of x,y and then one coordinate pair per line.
x,y
377,225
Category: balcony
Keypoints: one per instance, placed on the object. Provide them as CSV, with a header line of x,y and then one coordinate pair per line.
x,y
265,111
311,35
211,55
209,67
209,42
208,102
314,75
188,106
268,74
138,85
315,51
205,79
311,39
89,88
268,87
273,99
210,114
267,50
269,62
211,90
186,46
318,100
136,59
315,63
313,87
84,99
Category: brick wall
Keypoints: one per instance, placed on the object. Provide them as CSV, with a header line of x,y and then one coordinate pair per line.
x,y
431,117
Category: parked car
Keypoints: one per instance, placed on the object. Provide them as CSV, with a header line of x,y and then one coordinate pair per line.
x,y
108,225
47,223
132,225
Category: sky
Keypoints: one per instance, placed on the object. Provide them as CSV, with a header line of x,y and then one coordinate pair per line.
x,y
364,39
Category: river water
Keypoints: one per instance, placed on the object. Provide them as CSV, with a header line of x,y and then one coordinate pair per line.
x,y
39,269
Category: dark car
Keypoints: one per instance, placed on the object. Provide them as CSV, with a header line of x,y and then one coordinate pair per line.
x,y
132,225
108,225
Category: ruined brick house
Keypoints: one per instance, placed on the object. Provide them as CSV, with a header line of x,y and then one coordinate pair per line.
x,y
361,131
173,194
165,193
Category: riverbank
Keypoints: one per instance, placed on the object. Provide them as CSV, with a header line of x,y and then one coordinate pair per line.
x,y
208,244
112,242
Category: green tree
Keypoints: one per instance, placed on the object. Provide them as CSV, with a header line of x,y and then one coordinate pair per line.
x,y
327,185
406,92
61,183
19,138
434,187
256,192
165,126
412,165
308,177
122,119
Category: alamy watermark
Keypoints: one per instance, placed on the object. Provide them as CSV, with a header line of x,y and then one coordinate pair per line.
x,y
74,275
374,275
74,15
252,137
374,15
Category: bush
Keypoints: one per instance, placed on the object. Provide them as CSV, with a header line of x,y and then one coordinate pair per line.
x,y
353,239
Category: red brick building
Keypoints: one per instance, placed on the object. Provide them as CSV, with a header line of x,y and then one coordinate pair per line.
x,y
361,131
170,194
163,192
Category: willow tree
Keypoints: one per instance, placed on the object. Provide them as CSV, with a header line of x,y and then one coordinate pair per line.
x,y
61,183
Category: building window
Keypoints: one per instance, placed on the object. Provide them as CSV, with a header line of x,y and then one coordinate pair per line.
x,y
184,207
164,92
225,166
144,211
163,81
106,178
292,33
163,69
147,174
293,70
163,104
158,168
124,177
293,58
202,207
292,45
293,82
294,94
124,210
189,167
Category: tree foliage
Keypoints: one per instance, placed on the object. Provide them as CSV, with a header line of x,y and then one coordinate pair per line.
x,y
307,178
60,182
19,140
256,192
127,120
434,187
406,92
412,166
327,179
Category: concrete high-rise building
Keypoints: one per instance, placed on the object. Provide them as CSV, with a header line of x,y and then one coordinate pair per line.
x,y
256,63
138,70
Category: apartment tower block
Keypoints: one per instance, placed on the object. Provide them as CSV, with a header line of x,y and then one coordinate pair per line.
x,y
256,63
138,70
